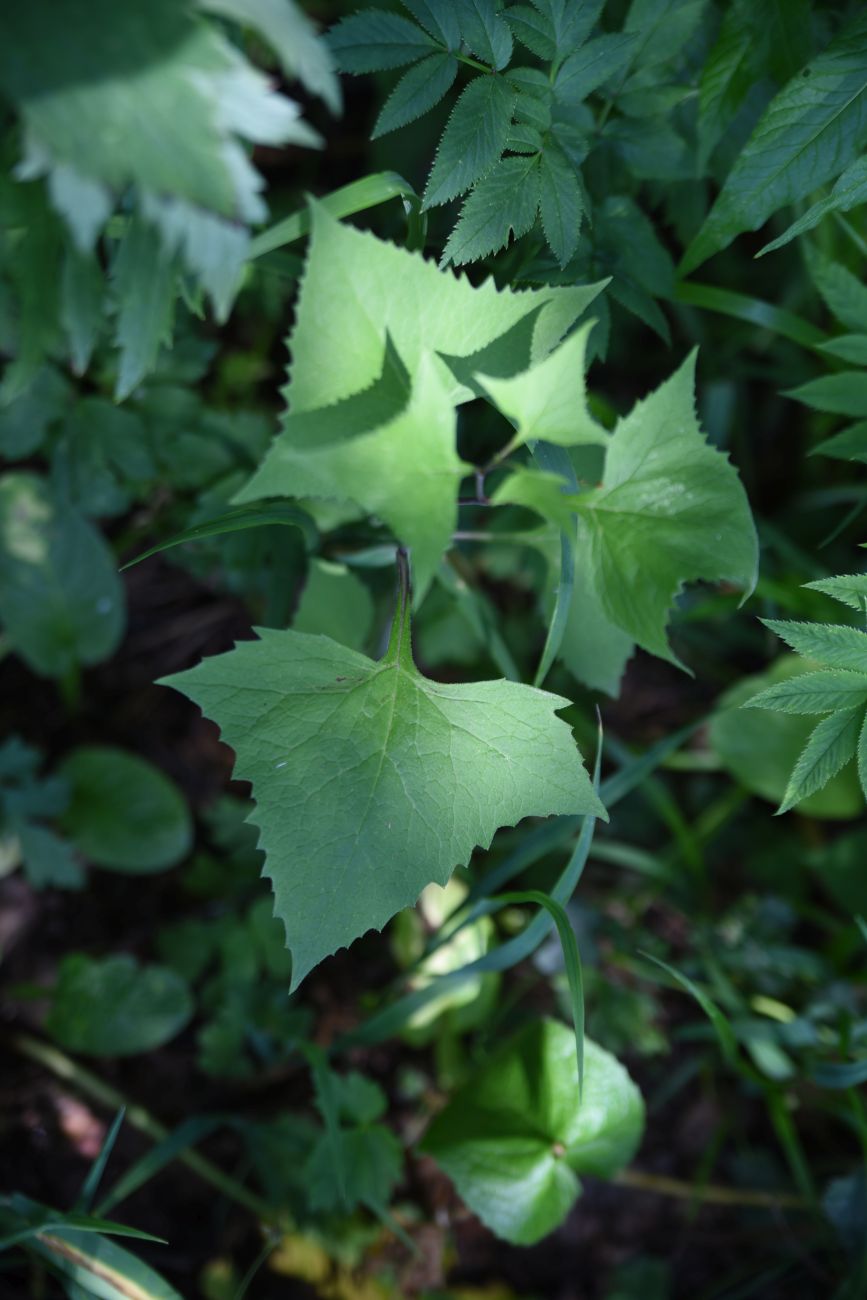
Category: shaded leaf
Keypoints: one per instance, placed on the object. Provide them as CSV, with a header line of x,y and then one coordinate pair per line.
x,y
475,136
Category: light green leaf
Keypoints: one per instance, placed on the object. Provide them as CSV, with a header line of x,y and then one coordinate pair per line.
x,y
375,310
124,813
549,401
830,644
849,191
560,202
831,745
475,136
336,604
810,132
114,1007
503,202
670,510
844,393
819,692
760,748
371,781
516,1138
61,601
418,90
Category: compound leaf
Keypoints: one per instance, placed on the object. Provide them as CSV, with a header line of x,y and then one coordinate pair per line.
x,y
503,202
561,204
475,136
516,1137
373,41
372,781
849,191
485,31
418,90
810,132
439,18
830,747
843,394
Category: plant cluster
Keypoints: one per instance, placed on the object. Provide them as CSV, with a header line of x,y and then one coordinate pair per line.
x,y
511,571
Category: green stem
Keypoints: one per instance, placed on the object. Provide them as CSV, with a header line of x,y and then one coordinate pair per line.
x,y
710,1193
90,1085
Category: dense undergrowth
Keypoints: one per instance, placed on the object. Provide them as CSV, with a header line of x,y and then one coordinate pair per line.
x,y
467,958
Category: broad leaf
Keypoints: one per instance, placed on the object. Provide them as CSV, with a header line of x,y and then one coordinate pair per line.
x,y
61,601
549,401
124,813
372,781
670,510
516,1137
114,1007
357,430
810,132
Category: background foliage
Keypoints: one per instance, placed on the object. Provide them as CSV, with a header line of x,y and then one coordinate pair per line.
x,y
591,510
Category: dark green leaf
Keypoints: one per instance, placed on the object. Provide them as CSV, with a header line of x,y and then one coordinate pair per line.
x,y
417,91
373,40
474,138
114,1007
504,202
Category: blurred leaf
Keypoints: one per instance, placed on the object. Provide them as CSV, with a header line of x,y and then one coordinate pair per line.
x,y
124,813
114,1007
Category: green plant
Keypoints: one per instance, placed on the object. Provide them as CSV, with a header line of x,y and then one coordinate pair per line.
x,y
484,504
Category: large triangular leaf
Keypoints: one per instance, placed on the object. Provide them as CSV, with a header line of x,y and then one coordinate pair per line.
x,y
377,311
372,781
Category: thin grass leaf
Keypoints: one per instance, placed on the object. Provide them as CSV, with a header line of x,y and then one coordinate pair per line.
x,y
94,1176
358,196
236,520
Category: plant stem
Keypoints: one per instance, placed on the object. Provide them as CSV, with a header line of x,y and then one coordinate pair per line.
x,y
90,1085
710,1193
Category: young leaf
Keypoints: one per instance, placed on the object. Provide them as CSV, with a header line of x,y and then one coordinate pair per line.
x,y
418,90
810,132
560,203
373,41
516,1137
485,31
549,401
475,136
372,781
503,202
